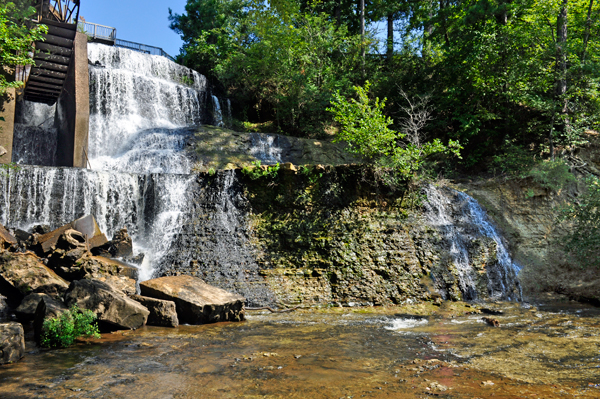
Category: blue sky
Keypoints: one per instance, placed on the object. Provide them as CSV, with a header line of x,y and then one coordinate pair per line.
x,y
141,21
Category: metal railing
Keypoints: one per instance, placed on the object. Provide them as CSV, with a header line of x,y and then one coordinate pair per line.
x,y
97,31
142,48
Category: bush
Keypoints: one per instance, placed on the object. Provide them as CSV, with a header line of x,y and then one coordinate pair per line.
x,y
552,174
256,171
584,240
62,331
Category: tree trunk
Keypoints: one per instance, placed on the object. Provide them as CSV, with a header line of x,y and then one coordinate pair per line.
x,y
588,27
362,33
442,7
390,36
561,67
338,13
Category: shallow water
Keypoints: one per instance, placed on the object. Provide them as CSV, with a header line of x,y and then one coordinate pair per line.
x,y
545,351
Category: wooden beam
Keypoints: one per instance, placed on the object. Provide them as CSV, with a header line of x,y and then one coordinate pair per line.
x,y
51,49
56,59
59,41
44,79
48,73
52,66
42,84
62,32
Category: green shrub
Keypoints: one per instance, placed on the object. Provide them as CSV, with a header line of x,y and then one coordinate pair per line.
x,y
552,174
256,171
62,331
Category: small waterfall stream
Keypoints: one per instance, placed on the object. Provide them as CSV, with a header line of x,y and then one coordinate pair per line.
x,y
463,224
35,137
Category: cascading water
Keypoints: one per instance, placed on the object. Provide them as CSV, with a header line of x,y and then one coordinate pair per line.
x,y
266,147
217,112
140,106
462,223
35,137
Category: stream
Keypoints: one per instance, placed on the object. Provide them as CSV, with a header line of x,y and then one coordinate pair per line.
x,y
547,350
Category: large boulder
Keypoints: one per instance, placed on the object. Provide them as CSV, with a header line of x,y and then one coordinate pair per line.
x,y
48,308
111,306
162,313
6,239
22,274
86,225
29,304
12,342
196,301
69,248
111,271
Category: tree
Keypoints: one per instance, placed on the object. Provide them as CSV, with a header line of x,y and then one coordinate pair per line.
x,y
16,39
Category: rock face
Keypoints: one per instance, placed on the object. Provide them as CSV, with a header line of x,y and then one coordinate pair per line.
x,y
12,342
110,305
196,301
22,273
162,313
4,309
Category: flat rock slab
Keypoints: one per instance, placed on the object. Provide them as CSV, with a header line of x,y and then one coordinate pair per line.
x,y
196,301
162,313
12,342
86,225
110,305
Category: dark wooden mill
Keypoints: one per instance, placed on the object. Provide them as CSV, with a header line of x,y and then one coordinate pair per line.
x,y
46,78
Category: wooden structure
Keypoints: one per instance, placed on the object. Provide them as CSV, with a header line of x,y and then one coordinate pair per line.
x,y
53,55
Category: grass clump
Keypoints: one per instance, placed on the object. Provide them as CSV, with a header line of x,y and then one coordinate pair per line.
x,y
62,331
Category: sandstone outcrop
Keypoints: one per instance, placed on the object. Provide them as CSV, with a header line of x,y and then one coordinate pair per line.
x,y
86,225
162,313
111,306
120,246
22,273
12,342
6,239
196,301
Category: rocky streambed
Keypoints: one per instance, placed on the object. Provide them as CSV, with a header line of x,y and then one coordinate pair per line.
x,y
547,350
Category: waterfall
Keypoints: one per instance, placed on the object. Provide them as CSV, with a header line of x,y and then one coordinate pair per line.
x,y
136,98
265,147
462,224
217,113
35,137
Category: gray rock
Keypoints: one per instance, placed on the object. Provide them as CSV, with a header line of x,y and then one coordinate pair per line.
x,y
86,225
196,301
12,342
28,306
110,305
162,313
4,309
119,247
47,308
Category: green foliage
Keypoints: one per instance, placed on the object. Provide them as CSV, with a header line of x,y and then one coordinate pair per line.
x,y
211,171
5,168
16,36
366,130
257,171
514,161
311,173
62,331
584,240
553,175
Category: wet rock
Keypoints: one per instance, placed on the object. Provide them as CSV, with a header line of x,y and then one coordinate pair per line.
x,y
86,225
196,301
111,306
162,313
29,304
120,246
136,260
41,229
48,308
491,321
6,239
22,274
12,342
70,247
